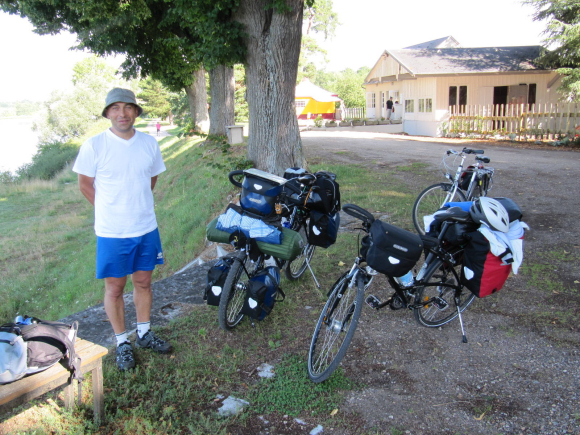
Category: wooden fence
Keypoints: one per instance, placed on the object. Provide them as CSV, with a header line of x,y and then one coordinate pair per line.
x,y
354,113
539,121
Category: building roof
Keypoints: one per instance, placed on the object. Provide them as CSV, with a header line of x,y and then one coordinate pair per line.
x,y
445,42
467,60
307,89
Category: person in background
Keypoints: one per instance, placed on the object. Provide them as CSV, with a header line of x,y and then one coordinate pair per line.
x,y
389,107
158,128
117,171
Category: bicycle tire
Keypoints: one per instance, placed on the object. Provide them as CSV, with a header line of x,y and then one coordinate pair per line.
x,y
430,315
431,200
232,298
329,343
296,268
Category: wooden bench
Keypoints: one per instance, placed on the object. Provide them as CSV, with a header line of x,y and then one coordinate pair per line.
x,y
30,387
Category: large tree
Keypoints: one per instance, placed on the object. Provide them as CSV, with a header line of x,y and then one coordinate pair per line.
x,y
562,40
173,39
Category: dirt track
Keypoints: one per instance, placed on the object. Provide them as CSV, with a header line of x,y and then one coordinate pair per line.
x,y
519,372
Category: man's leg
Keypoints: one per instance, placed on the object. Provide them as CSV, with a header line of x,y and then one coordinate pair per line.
x,y
115,309
114,303
143,298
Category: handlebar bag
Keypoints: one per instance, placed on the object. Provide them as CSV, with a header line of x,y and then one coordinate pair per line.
x,y
392,250
216,278
482,272
323,229
260,192
262,293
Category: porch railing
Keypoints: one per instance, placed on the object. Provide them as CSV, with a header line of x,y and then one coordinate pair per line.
x,y
539,121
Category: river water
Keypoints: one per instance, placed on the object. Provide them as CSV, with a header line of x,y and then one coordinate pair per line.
x,y
18,143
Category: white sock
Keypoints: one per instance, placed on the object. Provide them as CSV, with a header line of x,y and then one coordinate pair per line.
x,y
121,338
143,328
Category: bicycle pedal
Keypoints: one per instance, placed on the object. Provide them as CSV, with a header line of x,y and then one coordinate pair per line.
x,y
373,302
440,303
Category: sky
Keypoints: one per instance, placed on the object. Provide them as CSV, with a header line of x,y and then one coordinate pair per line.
x,y
33,65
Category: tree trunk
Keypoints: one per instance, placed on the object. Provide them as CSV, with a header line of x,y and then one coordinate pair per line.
x,y
273,43
221,88
197,97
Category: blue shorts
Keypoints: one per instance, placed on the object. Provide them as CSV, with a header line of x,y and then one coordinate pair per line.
x,y
117,258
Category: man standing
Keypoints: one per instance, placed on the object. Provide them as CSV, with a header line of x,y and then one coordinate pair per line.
x,y
117,171
389,107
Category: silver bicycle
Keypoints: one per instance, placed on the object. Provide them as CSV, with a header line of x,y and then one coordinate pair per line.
x,y
464,184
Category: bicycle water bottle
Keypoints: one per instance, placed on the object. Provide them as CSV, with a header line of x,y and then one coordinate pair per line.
x,y
406,280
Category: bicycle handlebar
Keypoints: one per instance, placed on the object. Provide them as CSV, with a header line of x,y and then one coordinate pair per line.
x,y
359,213
470,151
231,176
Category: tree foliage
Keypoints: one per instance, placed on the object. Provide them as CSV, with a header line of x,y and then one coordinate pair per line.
x,y
155,98
70,114
347,84
562,40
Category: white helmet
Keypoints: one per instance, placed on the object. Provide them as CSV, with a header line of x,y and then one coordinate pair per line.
x,y
491,213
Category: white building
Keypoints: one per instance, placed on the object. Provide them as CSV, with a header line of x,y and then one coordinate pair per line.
x,y
429,78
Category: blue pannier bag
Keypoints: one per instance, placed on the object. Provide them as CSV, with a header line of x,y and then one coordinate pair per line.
x,y
323,228
262,293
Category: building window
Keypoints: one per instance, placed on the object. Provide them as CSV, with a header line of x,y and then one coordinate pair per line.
x,y
531,94
409,106
428,104
454,98
300,103
373,102
383,94
421,104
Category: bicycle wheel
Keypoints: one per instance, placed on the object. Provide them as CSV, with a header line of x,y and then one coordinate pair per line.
x,y
296,268
431,200
442,308
335,328
233,293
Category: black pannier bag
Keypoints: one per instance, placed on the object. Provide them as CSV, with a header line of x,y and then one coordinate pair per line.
x,y
36,345
482,272
216,278
323,229
392,250
260,192
262,293
457,231
324,196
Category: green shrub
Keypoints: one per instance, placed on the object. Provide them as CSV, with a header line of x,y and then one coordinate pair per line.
x,y
318,121
48,161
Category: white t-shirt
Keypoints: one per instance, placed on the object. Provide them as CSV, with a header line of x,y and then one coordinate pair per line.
x,y
122,170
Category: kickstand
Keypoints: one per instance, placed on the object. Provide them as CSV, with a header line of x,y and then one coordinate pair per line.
x,y
312,272
457,302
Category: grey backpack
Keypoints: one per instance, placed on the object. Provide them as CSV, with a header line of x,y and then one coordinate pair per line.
x,y
34,346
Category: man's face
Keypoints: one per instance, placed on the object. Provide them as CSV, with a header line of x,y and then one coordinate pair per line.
x,y
122,116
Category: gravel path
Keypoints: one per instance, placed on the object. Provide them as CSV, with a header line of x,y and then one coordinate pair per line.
x,y
519,373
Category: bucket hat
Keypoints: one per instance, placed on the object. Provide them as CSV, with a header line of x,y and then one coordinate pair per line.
x,y
120,95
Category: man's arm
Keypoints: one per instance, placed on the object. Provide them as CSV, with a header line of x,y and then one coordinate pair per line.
x,y
87,188
153,182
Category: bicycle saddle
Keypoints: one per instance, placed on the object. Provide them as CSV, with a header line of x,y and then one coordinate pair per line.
x,y
453,213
